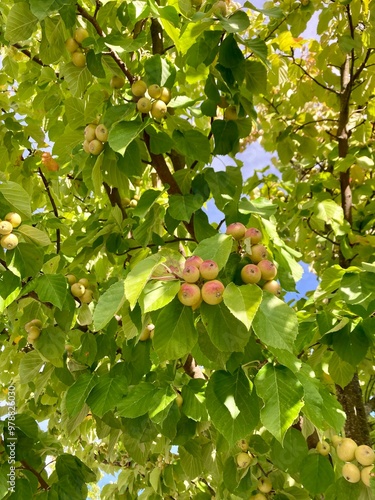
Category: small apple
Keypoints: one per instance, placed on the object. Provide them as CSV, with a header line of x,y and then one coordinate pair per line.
x,y
258,253
190,274
9,241
139,88
80,34
33,322
237,230
13,218
336,440
86,146
251,273
364,455
144,105
254,234
351,473
264,484
101,133
146,332
89,132
223,103
96,147
323,448
268,269
243,444
212,292
179,400
33,333
231,113
243,460
77,289
71,45
189,294
165,95
71,279
272,287
158,109
220,8
84,281
5,227
79,59
209,269
86,298
194,260
258,496
117,82
154,91
133,203
346,449
366,473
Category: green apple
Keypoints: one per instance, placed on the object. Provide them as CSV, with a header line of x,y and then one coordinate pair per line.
x,y
179,400
267,269
33,322
71,45
9,241
139,88
336,440
5,227
96,147
251,274
351,473
86,298
117,82
220,8
323,448
366,473
80,34
79,59
77,289
158,109
14,218
258,253
272,287
101,133
231,113
144,105
33,333
165,95
264,484
243,460
243,444
89,132
71,279
154,91
84,281
346,449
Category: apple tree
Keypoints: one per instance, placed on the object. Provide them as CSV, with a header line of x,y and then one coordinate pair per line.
x,y
138,336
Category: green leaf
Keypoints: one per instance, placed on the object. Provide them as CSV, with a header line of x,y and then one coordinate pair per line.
x,y
157,294
17,198
316,466
146,201
108,305
25,260
239,21
77,79
275,323
77,393
123,133
182,207
230,55
67,465
193,395
52,288
138,277
137,402
282,394
351,346
226,136
106,394
261,206
232,404
160,71
34,235
20,23
193,144
175,333
27,425
217,248
289,455
30,366
341,372
243,301
51,345
258,47
256,77
160,141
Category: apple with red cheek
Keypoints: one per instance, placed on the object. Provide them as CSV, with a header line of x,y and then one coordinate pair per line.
x,y
190,274
258,253
212,292
189,294
209,269
236,230
267,269
251,274
254,234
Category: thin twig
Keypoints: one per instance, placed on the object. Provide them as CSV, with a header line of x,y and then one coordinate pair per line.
x,y
54,208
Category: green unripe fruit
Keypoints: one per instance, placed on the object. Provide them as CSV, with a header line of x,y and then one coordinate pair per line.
x,y
243,460
33,322
77,289
9,241
351,473
5,227
231,113
71,279
165,95
89,132
33,333
117,82
158,109
13,218
144,105
154,91
101,133
96,147
86,298
139,88
80,34
79,59
71,45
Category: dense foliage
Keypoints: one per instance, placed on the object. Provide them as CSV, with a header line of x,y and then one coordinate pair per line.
x,y
112,114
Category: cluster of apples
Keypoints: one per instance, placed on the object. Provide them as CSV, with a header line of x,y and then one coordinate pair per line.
x,y
156,100
244,459
200,272
33,329
80,289
8,239
262,271
49,162
95,138
74,47
359,460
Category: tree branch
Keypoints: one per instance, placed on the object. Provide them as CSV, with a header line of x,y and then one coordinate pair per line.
x,y
41,480
310,76
54,208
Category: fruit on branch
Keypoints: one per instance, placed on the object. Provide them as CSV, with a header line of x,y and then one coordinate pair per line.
x,y
5,227
189,294
101,133
117,82
80,34
71,279
336,440
139,88
190,274
133,203
194,260
144,105
244,460
158,109
209,269
14,218
251,273
351,473
323,448
254,234
212,292
258,253
89,132
79,59
77,290
147,332
268,269
231,113
272,287
33,333
223,103
86,298
9,241
236,230
71,45
96,147
243,444
179,400
84,281
258,496
346,449
264,484
154,91
86,146
33,322
220,8
165,95
366,474
364,455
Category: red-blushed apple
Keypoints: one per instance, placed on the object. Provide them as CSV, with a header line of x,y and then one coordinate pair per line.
x,y
268,269
364,455
258,253
351,473
264,484
251,273
96,147
272,287
189,294
244,460
139,88
254,234
144,105
194,260
212,292
89,132
14,218
346,449
9,241
101,133
237,230
154,91
5,227
190,274
366,473
209,269
77,289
